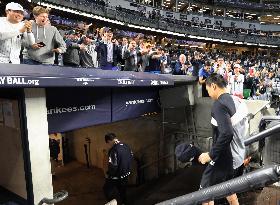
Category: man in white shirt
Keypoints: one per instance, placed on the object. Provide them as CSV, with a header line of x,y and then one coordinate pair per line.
x,y
220,66
236,82
14,33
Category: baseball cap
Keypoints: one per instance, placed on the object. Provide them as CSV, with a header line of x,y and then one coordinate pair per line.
x,y
187,152
14,6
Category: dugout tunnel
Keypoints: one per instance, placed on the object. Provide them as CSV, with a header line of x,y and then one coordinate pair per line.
x,y
152,113
37,101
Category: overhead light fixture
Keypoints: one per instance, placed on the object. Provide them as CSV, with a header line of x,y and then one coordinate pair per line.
x,y
272,46
268,15
276,18
251,44
191,36
239,43
61,8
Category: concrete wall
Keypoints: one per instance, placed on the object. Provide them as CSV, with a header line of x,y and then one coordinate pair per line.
x,y
12,175
137,133
37,125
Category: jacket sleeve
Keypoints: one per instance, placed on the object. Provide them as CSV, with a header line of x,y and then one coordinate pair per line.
x,y
59,40
127,54
177,70
113,164
225,129
73,45
7,33
28,39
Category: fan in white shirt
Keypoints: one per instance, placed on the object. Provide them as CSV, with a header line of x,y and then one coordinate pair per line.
x,y
14,32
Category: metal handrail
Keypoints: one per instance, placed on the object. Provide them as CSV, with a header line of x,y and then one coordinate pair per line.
x,y
264,176
57,197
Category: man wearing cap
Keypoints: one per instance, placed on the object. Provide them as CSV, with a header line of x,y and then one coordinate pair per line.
x,y
108,53
72,55
119,169
13,33
236,82
203,74
48,40
88,55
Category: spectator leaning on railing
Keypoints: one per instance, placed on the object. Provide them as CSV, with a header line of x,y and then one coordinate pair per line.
x,y
13,33
183,67
108,52
132,57
72,55
48,40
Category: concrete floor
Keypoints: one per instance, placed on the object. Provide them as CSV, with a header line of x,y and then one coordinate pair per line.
x,y
85,187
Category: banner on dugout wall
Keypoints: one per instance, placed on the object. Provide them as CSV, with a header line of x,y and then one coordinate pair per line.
x,y
134,102
74,108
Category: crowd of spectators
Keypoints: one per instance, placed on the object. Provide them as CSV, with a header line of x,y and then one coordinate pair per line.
x,y
84,45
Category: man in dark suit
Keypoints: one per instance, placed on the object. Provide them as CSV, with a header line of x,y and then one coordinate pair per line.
x,y
108,52
132,57
123,48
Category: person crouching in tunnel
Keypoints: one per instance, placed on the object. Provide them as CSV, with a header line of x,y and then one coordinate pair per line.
x,y
119,168
220,166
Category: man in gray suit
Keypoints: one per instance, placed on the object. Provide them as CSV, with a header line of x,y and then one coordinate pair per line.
x,y
132,57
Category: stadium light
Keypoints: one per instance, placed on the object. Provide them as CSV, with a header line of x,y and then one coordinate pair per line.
x,y
251,44
61,8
